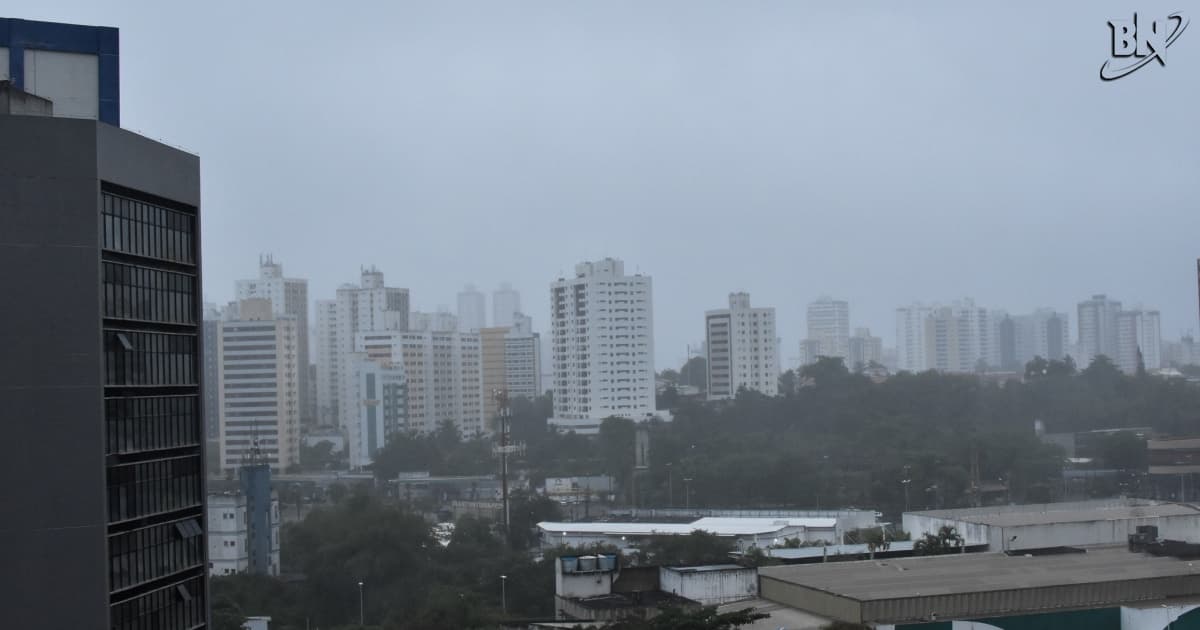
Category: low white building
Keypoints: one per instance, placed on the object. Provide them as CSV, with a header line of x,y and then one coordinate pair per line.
x,y
1100,522
229,535
745,532
711,585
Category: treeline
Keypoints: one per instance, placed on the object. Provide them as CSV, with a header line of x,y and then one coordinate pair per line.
x,y
837,439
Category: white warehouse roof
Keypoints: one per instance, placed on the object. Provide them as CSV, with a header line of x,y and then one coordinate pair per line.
x,y
716,525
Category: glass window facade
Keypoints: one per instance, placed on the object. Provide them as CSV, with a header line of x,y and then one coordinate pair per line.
x,y
150,298
140,293
149,488
145,229
178,605
136,425
139,556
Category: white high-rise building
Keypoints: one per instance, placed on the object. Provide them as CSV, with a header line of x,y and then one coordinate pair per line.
x,y
1097,329
1044,333
829,325
602,346
1138,333
506,305
958,338
289,298
743,349
259,376
443,371
472,310
376,405
910,338
366,307
865,349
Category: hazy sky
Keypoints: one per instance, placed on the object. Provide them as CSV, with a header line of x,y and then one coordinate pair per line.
x,y
877,153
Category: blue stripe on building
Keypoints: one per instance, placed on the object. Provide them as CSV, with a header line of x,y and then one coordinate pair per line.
x,y
102,41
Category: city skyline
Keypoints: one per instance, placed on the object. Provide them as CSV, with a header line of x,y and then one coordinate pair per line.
x,y
930,181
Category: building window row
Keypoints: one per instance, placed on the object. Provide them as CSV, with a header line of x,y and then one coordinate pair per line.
x,y
179,605
145,358
151,553
142,489
145,229
140,293
150,423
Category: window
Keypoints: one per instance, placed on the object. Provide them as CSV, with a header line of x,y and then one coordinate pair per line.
x,y
148,230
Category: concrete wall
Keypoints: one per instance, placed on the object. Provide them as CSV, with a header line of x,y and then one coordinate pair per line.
x,y
710,587
70,80
51,397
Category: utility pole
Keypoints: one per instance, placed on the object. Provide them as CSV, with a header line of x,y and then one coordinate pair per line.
x,y
687,494
670,490
906,481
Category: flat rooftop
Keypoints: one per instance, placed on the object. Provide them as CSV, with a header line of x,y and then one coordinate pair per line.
x,y
966,585
715,525
1050,513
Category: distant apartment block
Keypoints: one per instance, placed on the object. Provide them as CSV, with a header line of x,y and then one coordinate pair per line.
x,y
1139,339
743,349
1097,329
864,349
829,325
444,376
369,306
289,298
602,345
376,405
472,310
910,338
506,305
259,375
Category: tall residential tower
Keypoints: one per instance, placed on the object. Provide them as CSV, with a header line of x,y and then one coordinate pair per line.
x,y
602,346
743,349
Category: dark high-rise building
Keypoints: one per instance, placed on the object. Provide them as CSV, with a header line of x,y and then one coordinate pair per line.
x,y
100,377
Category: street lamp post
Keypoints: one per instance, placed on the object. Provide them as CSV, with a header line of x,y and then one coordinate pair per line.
x,y
906,481
687,494
670,489
361,622
503,595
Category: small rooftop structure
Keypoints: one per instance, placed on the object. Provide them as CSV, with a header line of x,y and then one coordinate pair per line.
x,y
971,586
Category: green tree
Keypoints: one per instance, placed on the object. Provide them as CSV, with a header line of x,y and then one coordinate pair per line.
x,y
706,618
698,547
946,540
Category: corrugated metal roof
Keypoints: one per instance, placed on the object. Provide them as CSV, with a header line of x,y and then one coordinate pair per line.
x,y
868,580
1048,513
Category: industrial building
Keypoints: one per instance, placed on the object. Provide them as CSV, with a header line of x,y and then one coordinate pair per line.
x,y
1099,522
745,532
1098,588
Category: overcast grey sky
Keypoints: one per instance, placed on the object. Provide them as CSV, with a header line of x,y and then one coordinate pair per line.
x,y
874,152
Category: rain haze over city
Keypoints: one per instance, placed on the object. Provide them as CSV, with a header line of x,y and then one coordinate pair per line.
x,y
618,314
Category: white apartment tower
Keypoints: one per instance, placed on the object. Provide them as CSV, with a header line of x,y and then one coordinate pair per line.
x,y
602,338
472,310
289,298
910,338
367,307
829,325
1138,334
1097,329
443,373
259,376
958,338
743,349
506,305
